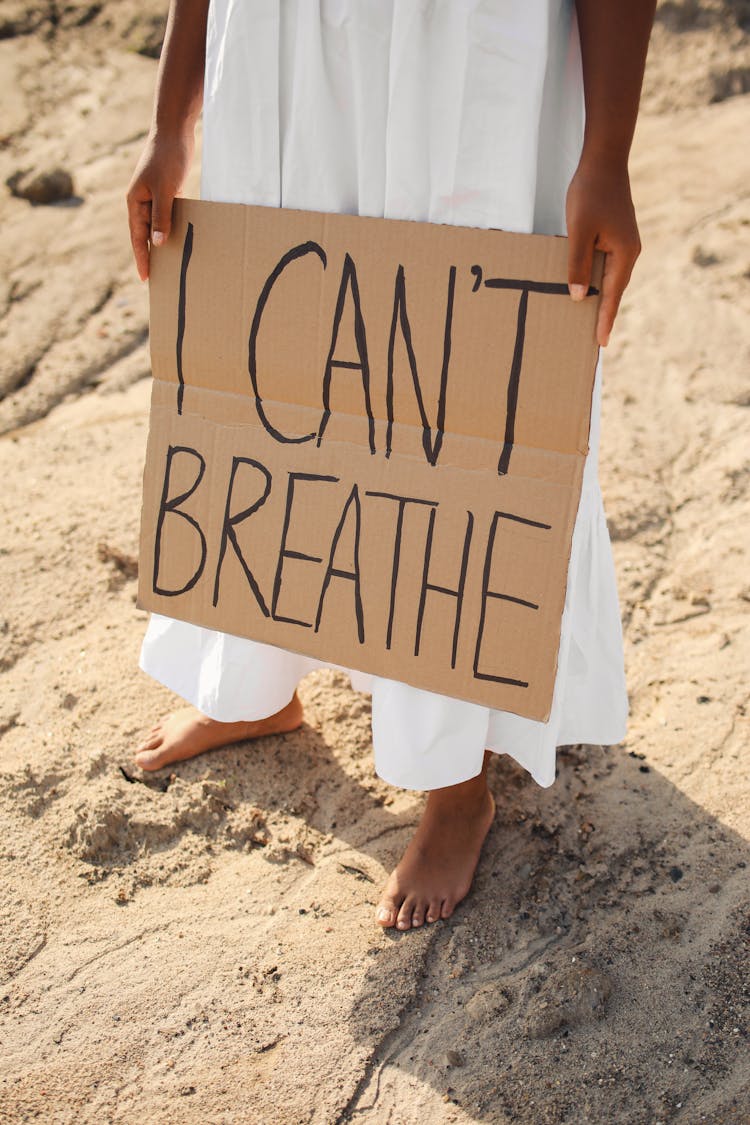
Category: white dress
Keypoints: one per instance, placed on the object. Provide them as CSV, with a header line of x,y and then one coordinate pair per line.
x,y
453,111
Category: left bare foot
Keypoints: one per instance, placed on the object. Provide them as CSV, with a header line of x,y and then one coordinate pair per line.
x,y
187,732
438,866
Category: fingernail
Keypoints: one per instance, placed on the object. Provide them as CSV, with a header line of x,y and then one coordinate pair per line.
x,y
578,292
157,237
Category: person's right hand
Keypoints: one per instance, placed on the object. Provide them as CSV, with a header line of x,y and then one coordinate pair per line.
x,y
158,178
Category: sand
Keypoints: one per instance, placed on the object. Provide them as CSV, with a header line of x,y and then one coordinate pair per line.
x,y
198,946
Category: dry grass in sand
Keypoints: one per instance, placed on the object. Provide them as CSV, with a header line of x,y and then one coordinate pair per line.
x,y
199,946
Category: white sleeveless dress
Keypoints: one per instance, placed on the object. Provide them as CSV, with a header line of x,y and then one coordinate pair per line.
x,y
452,111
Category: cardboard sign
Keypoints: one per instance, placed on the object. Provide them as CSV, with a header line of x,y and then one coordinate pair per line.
x,y
367,442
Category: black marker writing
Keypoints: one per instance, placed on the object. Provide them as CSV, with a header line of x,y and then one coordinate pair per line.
x,y
351,575
252,358
348,282
187,250
285,552
400,320
402,501
458,593
487,594
514,378
172,506
229,534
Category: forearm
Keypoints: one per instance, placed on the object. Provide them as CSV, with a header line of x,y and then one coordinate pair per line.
x,y
179,82
614,41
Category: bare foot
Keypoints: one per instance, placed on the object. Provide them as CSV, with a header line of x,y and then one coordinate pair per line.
x,y
188,732
438,865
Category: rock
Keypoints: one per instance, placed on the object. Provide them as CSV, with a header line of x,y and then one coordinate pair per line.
x,y
99,831
730,83
487,1002
21,18
703,258
569,998
123,562
277,853
42,186
146,34
454,1058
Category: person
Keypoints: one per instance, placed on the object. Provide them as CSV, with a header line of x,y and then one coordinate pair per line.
x,y
487,113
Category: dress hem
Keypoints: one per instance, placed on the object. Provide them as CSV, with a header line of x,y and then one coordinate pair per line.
x,y
543,777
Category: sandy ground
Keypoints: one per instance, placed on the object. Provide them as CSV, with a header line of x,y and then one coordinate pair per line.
x,y
199,947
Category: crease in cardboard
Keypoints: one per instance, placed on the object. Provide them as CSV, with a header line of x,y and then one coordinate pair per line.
x,y
196,391
403,454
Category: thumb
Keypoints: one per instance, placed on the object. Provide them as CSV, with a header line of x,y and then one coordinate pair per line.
x,y
580,261
161,217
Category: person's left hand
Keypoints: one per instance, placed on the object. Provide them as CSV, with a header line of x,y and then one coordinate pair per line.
x,y
600,216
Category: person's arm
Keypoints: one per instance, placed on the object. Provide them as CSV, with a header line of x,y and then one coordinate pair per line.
x,y
600,215
165,160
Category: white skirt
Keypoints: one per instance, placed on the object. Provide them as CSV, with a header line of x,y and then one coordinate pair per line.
x,y
454,111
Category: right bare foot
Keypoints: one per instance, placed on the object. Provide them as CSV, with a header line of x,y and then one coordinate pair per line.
x,y
188,732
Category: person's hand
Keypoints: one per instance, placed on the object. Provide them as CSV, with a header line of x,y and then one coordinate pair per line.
x,y
158,178
600,216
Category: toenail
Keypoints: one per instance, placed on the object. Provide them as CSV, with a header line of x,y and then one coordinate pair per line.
x,y
384,915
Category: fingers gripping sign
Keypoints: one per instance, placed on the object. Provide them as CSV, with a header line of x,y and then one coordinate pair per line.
x,y
582,240
139,219
157,179
600,216
149,218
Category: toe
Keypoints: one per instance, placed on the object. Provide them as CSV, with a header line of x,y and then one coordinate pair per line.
x,y
446,909
433,910
149,759
149,743
386,912
418,914
403,922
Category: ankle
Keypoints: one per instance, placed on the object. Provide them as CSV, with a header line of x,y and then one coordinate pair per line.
x,y
471,794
